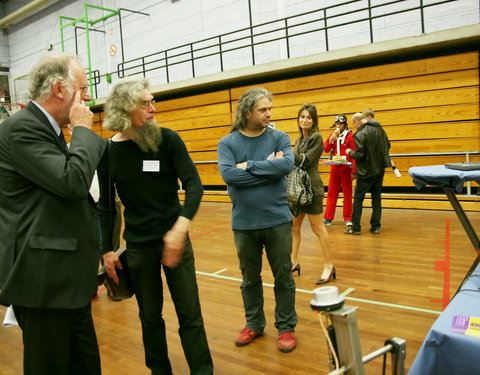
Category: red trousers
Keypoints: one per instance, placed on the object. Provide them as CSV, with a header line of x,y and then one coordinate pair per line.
x,y
340,177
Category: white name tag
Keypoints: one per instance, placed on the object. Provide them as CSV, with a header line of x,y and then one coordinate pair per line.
x,y
151,166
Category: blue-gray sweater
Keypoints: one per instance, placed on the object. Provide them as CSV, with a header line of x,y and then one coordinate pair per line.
x,y
259,193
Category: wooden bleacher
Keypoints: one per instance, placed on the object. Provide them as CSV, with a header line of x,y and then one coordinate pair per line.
x,y
428,107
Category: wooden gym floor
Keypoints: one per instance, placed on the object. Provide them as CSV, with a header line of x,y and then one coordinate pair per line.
x,y
399,280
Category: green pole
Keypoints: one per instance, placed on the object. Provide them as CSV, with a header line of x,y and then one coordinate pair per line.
x,y
92,102
113,13
62,26
74,21
61,34
101,8
87,24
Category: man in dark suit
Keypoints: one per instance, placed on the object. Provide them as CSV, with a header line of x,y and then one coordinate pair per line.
x,y
49,233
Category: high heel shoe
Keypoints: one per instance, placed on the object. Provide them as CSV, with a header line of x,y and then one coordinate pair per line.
x,y
296,268
333,275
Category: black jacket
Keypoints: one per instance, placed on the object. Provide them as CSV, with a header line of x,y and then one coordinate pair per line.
x,y
371,149
312,147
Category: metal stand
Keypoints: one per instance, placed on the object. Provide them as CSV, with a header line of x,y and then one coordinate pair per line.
x,y
462,216
348,343
467,225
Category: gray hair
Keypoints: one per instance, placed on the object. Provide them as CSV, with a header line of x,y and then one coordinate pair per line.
x,y
123,99
48,71
246,103
357,117
368,113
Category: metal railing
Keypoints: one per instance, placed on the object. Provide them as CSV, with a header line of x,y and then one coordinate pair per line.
x,y
323,21
467,155
446,153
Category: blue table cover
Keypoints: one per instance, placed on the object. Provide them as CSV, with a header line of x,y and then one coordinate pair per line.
x,y
445,352
441,176
449,353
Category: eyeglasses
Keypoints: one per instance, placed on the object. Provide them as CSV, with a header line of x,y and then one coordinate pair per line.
x,y
147,103
84,88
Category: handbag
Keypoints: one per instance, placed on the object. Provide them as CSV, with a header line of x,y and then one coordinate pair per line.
x,y
299,189
124,289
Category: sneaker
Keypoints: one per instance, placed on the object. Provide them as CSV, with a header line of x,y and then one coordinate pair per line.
x,y
350,230
348,223
327,222
246,336
287,342
375,230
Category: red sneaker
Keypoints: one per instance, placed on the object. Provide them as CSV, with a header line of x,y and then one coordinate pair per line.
x,y
287,342
246,336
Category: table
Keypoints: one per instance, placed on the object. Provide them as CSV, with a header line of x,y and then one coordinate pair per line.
x,y
444,352
448,353
450,180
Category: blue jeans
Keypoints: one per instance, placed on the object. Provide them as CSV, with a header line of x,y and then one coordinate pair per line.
x,y
277,242
144,262
374,186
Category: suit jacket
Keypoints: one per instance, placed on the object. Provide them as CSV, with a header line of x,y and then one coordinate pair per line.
x,y
49,232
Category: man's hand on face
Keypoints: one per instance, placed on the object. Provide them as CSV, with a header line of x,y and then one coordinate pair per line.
x,y
80,114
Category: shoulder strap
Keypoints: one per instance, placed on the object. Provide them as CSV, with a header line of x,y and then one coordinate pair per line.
x,y
109,159
303,160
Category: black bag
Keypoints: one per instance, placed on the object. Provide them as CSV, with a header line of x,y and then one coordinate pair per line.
x,y
124,289
299,189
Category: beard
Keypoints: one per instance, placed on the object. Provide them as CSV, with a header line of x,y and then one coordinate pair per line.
x,y
148,137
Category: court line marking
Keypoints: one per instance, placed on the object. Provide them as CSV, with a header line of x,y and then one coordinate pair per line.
x,y
200,229
345,293
210,231
220,271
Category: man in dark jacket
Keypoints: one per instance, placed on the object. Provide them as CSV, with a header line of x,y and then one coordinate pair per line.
x,y
371,154
49,235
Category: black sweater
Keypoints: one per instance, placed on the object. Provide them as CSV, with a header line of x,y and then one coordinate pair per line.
x,y
150,198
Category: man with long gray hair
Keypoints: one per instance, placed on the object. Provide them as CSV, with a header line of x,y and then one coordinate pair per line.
x,y
143,163
254,160
49,237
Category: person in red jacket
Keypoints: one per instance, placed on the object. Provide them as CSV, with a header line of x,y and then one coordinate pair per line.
x,y
342,172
